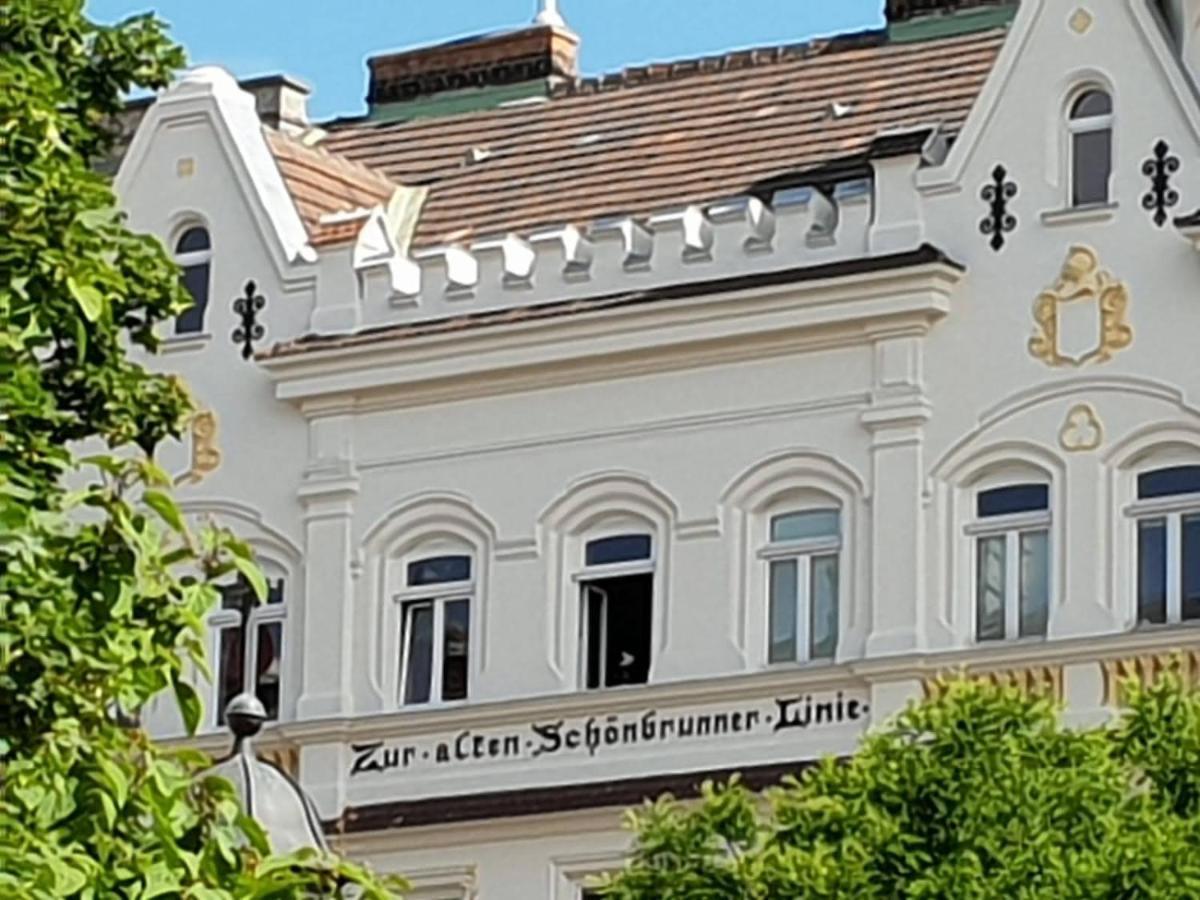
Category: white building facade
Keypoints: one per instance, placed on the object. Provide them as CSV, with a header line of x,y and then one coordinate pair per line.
x,y
601,437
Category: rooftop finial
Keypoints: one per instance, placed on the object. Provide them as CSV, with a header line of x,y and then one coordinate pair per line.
x,y
549,14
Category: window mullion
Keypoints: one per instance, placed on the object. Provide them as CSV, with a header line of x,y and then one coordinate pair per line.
x,y
803,608
1012,585
1174,567
437,651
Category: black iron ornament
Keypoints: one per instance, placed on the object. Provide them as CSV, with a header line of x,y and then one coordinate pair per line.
x,y
999,221
1159,169
247,308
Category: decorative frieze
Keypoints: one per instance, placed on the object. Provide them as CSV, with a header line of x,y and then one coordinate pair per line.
x,y
1145,669
1033,681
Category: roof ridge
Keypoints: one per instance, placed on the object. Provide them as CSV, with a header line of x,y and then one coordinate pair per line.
x,y
745,58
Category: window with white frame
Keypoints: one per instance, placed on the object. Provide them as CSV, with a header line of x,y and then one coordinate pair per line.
x,y
802,559
1167,513
193,253
1090,130
249,645
616,621
435,630
1012,562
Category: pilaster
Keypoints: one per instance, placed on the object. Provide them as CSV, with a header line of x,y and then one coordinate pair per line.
x,y
327,492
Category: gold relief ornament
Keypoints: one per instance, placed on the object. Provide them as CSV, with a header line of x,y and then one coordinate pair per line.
x,y
206,456
1082,431
1082,318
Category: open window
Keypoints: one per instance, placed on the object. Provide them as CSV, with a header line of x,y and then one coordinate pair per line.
x,y
249,639
193,252
1090,131
1167,513
803,562
616,621
435,630
1012,562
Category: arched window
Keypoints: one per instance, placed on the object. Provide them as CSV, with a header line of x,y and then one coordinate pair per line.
x,y
803,560
1167,513
435,629
193,252
1012,562
1090,127
249,645
617,593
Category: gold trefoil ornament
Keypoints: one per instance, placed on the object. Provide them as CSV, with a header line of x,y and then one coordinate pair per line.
x,y
1081,319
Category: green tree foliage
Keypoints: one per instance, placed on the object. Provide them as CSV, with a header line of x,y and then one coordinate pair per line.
x,y
980,794
103,588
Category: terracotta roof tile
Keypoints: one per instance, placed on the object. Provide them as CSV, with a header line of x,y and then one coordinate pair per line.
x,y
322,184
668,134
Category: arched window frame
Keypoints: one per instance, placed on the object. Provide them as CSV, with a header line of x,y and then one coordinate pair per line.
x,y
593,507
1078,128
973,467
197,277
795,481
245,626
1014,534
444,599
1155,450
424,526
807,557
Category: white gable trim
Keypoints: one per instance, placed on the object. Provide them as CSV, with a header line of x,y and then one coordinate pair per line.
x,y
210,93
947,177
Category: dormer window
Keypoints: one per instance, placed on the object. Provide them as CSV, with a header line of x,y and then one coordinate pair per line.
x,y
1089,125
193,252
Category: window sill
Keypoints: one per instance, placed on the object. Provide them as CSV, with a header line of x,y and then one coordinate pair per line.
x,y
186,343
1012,642
798,666
1080,215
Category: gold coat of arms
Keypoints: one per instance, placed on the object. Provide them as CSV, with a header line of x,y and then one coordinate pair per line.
x,y
1081,319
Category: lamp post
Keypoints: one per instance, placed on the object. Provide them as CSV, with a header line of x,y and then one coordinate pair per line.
x,y
267,794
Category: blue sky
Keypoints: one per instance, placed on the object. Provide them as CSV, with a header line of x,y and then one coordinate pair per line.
x,y
325,42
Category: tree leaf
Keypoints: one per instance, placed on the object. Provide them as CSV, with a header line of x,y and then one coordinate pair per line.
x,y
190,705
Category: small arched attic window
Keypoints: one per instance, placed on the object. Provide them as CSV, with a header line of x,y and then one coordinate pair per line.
x,y
193,252
1090,128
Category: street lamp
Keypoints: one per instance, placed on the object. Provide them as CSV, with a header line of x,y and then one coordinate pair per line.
x,y
267,794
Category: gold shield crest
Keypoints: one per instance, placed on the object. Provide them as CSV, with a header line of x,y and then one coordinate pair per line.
x,y
1081,319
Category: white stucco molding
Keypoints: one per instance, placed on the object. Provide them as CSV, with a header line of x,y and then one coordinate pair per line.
x,y
588,506
250,525
211,94
678,331
1031,16
790,479
440,521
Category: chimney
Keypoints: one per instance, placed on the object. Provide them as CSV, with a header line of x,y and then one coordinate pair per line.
x,y
478,72
904,10
281,101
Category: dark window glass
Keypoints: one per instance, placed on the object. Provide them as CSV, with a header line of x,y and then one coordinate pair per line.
x,y
455,646
193,241
990,575
1152,571
1190,564
195,279
823,614
623,548
268,663
1034,610
1091,166
231,668
418,656
619,623
1167,482
784,585
439,570
1091,104
1017,498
